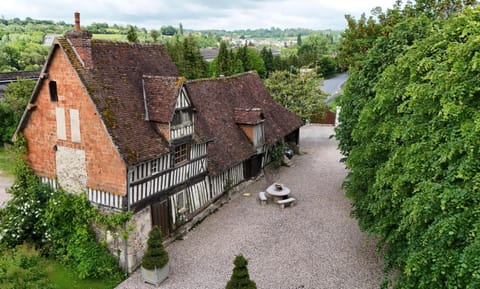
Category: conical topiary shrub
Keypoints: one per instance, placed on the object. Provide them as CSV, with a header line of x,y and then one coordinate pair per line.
x,y
240,278
155,257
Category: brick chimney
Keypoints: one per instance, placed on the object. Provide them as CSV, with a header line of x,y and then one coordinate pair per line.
x,y
77,21
81,41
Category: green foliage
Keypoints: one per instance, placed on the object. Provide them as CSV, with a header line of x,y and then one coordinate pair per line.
x,y
155,257
71,239
168,30
187,57
240,278
12,106
299,93
132,34
23,268
8,160
60,224
277,153
410,133
22,218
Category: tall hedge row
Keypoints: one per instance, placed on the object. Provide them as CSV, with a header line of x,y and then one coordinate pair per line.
x,y
411,135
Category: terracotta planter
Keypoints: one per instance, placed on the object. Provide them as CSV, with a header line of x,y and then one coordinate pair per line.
x,y
156,276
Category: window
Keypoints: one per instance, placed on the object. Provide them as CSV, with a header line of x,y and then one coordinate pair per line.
x,y
181,118
153,166
181,153
52,86
181,200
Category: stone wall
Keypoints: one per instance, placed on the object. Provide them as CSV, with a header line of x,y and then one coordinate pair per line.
x,y
71,170
137,243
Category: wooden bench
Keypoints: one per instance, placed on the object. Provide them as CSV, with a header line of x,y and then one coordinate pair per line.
x,y
286,202
262,196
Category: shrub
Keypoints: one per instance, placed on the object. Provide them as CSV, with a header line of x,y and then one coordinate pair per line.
x,y
71,238
23,268
277,153
59,223
22,220
155,256
240,278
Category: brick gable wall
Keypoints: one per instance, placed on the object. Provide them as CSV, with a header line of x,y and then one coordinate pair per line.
x,y
104,167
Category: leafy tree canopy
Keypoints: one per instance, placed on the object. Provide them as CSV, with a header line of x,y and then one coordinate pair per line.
x,y
299,93
409,131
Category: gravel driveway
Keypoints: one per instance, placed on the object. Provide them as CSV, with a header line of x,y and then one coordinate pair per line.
x,y
314,245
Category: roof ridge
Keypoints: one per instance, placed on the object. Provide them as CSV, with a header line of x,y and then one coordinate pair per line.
x,y
223,77
109,41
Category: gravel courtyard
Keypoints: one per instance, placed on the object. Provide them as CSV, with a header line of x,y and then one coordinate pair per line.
x,y
314,245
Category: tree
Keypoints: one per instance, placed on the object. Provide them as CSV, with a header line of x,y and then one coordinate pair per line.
x,y
180,28
154,34
299,40
409,131
12,106
223,61
267,57
357,39
132,34
240,278
299,93
168,30
187,57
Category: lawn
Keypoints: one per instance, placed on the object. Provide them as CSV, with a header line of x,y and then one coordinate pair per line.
x,y
62,278
23,267
7,161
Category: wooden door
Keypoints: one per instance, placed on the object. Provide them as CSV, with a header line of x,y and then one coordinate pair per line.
x,y
252,166
161,216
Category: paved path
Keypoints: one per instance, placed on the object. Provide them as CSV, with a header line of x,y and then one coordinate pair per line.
x,y
5,182
333,86
314,245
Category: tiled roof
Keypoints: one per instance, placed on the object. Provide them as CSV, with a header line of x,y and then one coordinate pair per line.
x,y
218,99
112,74
13,76
248,115
161,93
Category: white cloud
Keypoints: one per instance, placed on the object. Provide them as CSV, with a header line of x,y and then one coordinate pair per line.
x,y
198,14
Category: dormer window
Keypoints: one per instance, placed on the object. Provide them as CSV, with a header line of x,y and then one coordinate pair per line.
x,y
182,118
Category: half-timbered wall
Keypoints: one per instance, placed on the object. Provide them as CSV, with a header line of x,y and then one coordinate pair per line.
x,y
258,135
183,113
189,201
145,183
232,177
150,168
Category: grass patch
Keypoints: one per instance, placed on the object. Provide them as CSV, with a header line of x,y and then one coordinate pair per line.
x,y
8,160
63,278
23,267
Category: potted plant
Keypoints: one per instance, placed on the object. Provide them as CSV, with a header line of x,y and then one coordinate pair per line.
x,y
155,260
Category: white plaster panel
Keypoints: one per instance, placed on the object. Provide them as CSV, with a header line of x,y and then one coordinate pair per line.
x,y
71,169
60,118
75,125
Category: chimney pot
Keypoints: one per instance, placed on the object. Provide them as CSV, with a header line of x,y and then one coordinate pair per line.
x,y
77,21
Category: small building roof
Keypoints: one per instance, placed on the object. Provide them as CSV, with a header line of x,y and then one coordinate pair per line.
x,y
250,116
219,99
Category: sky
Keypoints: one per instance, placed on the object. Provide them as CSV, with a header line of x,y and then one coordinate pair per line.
x,y
197,14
